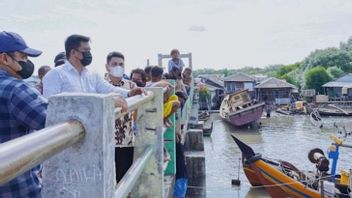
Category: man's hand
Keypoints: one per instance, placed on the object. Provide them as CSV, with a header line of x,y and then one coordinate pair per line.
x,y
135,91
122,103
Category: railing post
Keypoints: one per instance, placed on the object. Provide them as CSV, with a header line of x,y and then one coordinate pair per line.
x,y
150,132
87,168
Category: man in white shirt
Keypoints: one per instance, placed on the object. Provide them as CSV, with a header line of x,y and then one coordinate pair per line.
x,y
73,76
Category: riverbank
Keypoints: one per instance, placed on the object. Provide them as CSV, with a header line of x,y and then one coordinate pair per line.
x,y
288,138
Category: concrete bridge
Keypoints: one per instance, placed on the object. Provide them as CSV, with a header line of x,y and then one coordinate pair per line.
x,y
77,148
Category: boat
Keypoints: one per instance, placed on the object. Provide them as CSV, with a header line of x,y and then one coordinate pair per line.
x,y
238,109
283,179
315,118
207,131
203,115
283,111
333,110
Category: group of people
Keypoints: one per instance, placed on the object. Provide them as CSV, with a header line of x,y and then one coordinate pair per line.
x,y
23,109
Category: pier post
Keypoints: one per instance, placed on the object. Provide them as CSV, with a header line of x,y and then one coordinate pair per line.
x,y
194,154
87,168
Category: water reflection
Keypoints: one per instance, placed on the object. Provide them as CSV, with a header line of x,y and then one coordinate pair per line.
x,y
288,138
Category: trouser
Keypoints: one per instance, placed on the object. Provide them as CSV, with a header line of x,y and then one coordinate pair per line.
x,y
123,161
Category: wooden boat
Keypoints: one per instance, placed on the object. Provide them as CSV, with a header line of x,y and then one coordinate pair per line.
x,y
282,179
203,115
333,111
315,118
282,111
238,109
207,131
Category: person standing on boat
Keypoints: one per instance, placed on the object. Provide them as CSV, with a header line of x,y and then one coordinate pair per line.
x,y
176,61
22,109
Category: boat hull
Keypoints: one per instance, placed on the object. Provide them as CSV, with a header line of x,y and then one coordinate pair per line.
x,y
246,116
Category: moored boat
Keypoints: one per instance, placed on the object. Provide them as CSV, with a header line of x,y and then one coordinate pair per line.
x,y
282,179
238,109
315,118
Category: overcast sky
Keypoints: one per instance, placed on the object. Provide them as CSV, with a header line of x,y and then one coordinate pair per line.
x,y
219,33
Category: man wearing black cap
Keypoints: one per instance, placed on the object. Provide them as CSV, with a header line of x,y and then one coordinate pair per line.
x,y
21,108
60,59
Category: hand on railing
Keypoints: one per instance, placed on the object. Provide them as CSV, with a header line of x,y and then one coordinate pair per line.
x,y
120,102
136,91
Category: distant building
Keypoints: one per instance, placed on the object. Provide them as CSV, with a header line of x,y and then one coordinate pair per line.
x,y
240,81
275,91
215,85
340,88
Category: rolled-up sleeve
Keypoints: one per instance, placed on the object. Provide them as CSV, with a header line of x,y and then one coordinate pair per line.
x,y
102,86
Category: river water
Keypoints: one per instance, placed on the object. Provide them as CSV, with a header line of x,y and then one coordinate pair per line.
x,y
289,138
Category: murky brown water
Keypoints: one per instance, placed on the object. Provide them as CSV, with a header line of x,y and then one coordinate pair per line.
x,y
288,138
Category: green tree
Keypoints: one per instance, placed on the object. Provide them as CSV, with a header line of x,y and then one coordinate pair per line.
x,y
315,78
335,72
347,46
288,79
284,70
329,57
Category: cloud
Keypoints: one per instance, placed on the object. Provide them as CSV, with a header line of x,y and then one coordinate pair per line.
x,y
197,28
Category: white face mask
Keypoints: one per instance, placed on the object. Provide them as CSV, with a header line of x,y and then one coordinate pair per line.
x,y
117,71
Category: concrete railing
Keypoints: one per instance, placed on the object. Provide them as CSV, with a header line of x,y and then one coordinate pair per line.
x,y
82,127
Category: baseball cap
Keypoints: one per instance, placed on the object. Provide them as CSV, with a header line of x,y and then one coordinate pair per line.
x,y
60,58
11,42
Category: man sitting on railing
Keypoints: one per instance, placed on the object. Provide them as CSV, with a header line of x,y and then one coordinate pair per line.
x,y
74,76
124,135
22,109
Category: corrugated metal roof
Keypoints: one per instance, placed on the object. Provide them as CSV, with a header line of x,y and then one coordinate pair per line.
x,y
337,84
240,77
344,81
215,78
345,78
275,83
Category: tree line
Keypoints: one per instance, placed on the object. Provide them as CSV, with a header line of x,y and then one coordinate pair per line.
x,y
318,68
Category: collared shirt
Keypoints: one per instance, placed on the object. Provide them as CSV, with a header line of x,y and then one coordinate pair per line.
x,y
172,64
22,109
66,78
124,135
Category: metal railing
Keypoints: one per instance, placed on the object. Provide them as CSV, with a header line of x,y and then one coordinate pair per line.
x,y
21,154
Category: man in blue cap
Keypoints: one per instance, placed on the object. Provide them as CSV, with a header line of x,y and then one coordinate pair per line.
x,y
22,109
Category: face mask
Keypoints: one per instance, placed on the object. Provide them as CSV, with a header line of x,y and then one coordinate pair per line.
x,y
87,58
117,71
140,84
27,68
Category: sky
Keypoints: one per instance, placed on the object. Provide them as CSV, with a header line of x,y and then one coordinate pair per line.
x,y
219,33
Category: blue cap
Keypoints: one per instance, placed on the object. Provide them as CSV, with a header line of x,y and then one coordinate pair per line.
x,y
12,42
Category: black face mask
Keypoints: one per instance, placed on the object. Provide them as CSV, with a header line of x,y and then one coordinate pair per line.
x,y
140,84
27,69
87,58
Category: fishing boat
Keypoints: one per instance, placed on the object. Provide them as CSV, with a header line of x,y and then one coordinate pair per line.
x,y
238,109
208,130
282,179
315,118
